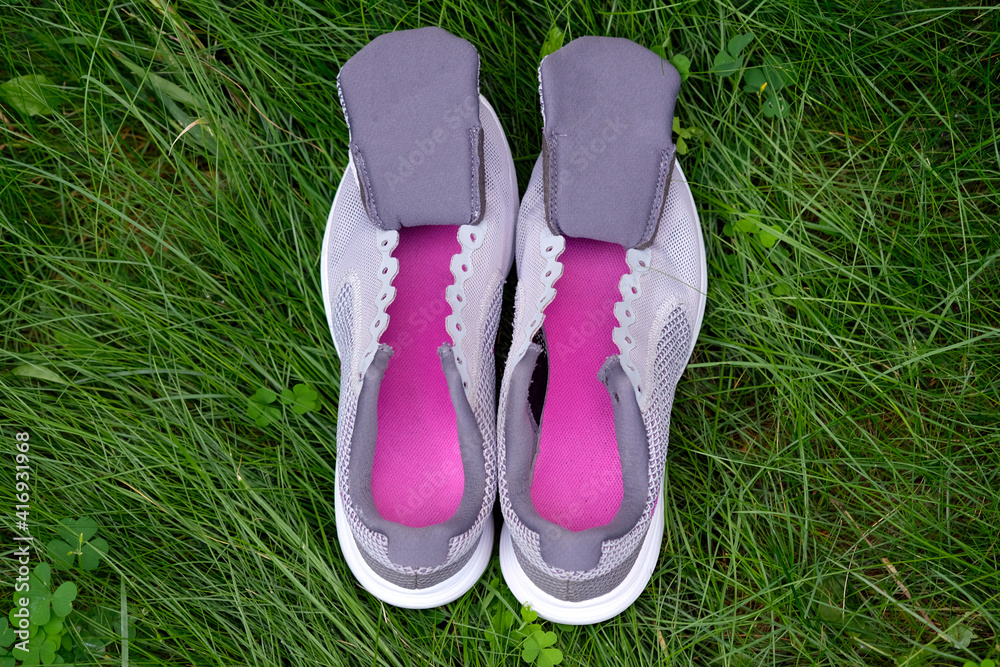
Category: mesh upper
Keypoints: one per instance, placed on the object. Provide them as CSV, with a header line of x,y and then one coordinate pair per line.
x,y
352,263
342,317
664,329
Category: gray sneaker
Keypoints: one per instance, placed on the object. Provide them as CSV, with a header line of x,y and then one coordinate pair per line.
x,y
610,297
417,248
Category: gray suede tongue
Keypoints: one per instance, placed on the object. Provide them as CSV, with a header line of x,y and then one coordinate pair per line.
x,y
608,108
411,100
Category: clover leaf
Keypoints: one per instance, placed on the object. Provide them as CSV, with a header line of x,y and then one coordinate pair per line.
x,y
684,133
740,42
47,650
726,65
553,41
260,409
301,397
62,599
680,62
750,222
771,77
48,629
535,641
521,633
42,649
766,237
29,658
61,553
91,552
536,649
750,225
7,636
78,542
264,396
549,657
683,65
775,106
44,606
754,80
39,595
729,61
81,529
528,614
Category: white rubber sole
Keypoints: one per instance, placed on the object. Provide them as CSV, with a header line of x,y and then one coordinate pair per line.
x,y
597,609
622,596
423,598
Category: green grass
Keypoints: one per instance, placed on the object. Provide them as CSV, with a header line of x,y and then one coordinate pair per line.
x,y
833,482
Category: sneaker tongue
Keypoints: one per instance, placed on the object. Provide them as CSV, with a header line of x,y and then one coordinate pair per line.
x,y
411,100
608,107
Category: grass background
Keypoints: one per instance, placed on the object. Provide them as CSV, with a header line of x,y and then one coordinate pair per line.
x,y
833,482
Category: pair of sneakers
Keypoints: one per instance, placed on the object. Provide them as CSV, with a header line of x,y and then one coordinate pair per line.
x,y
610,296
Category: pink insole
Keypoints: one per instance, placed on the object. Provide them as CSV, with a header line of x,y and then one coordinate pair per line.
x,y
417,479
578,478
